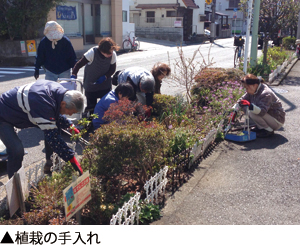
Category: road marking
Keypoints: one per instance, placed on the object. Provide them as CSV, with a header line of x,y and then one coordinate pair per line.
x,y
10,72
17,69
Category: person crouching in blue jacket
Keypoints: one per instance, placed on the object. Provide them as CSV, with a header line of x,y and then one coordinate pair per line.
x,y
122,91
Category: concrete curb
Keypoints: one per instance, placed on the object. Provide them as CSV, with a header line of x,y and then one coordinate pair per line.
x,y
282,76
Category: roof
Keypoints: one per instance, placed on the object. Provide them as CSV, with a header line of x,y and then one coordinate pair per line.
x,y
156,6
190,4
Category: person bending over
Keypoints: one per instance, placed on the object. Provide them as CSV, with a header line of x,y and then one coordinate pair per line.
x,y
142,82
40,104
122,91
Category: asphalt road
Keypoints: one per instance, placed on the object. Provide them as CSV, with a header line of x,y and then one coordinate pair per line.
x,y
220,53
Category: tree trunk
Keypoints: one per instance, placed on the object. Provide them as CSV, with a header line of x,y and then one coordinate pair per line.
x,y
265,51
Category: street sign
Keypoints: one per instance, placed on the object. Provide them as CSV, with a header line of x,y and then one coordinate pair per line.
x,y
235,9
234,16
208,2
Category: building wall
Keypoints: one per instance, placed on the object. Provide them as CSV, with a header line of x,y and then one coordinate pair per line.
x,y
162,33
198,27
110,23
116,16
127,27
237,24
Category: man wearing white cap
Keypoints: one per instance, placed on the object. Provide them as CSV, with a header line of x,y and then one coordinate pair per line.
x,y
55,52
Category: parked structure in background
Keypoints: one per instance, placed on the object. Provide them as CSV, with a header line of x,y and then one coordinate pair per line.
x,y
168,19
228,18
179,21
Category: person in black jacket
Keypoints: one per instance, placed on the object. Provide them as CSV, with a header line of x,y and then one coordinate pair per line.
x,y
55,53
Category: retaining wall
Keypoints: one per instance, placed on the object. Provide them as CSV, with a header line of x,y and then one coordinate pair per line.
x,y
161,33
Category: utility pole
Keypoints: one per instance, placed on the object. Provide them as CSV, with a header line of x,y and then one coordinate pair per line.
x,y
213,20
298,28
253,59
249,16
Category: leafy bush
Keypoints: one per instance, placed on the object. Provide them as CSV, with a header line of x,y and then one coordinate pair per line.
x,y
220,100
289,43
149,213
114,146
276,56
162,103
210,79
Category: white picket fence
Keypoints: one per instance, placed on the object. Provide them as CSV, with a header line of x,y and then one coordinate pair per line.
x,y
156,185
129,212
201,146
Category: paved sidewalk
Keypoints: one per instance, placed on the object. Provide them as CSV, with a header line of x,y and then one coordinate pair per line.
x,y
253,183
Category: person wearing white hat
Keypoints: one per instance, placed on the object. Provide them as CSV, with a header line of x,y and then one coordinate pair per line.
x,y
55,53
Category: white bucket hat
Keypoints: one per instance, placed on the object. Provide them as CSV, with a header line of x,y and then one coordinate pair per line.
x,y
54,32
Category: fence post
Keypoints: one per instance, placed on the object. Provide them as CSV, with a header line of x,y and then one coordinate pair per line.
x,y
19,192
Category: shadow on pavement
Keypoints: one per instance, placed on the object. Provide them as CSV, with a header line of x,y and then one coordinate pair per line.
x,y
31,137
267,143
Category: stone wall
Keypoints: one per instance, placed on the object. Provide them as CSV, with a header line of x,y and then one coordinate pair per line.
x,y
161,33
11,54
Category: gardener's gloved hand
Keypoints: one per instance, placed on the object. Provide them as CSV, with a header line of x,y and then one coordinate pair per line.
x,y
73,76
73,129
36,74
101,79
244,103
76,165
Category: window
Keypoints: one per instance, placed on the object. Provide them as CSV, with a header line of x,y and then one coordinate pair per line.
x,y
171,13
150,17
234,3
124,16
202,18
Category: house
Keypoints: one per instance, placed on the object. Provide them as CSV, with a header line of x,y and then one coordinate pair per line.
x,y
87,21
229,9
174,20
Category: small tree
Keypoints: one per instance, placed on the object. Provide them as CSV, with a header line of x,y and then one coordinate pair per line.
x,y
24,17
273,16
186,69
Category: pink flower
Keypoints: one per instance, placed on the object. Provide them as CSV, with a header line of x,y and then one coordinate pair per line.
x,y
170,126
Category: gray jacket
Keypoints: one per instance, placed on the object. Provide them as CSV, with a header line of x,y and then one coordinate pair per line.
x,y
266,100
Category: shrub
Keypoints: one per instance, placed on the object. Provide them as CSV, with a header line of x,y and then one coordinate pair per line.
x,y
162,103
220,100
125,112
275,56
210,79
289,43
149,213
114,146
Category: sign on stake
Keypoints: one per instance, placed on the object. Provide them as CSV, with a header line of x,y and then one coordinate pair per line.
x,y
77,194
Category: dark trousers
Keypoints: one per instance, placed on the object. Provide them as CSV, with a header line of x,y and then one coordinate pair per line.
x,y
91,99
14,148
